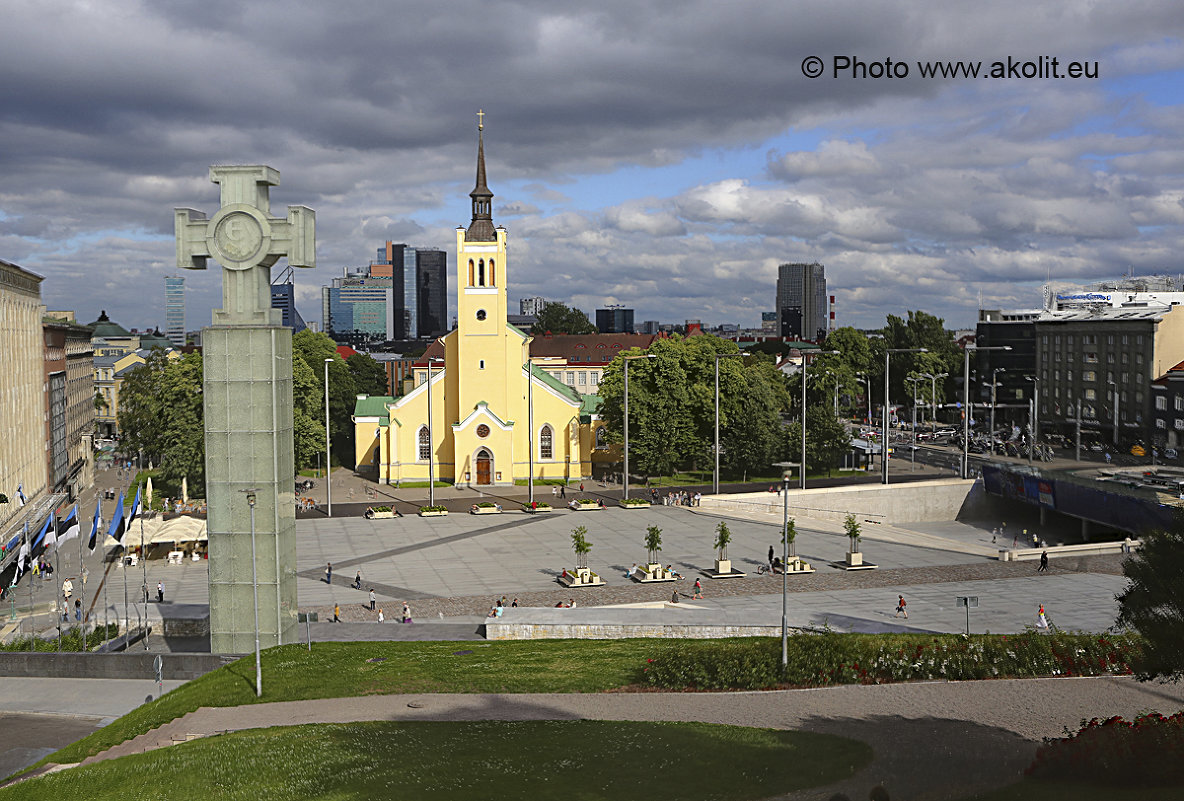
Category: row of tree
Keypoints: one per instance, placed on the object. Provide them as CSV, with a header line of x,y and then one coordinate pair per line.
x,y
161,412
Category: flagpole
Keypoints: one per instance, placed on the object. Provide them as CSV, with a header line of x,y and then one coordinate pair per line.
x,y
57,572
32,611
81,579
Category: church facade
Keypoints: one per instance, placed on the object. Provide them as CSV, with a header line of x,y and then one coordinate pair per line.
x,y
481,412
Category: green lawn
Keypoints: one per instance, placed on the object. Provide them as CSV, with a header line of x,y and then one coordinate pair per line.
x,y
463,761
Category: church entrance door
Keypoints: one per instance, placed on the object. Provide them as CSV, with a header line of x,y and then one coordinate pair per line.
x,y
484,467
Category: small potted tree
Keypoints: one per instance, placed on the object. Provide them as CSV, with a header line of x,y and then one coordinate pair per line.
x,y
653,544
723,536
582,576
854,535
793,563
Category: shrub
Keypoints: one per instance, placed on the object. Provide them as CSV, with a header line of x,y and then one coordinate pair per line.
x,y
433,508
635,502
1148,751
380,508
526,507
485,505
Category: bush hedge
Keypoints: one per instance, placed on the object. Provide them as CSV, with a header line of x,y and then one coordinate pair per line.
x,y
1146,752
816,660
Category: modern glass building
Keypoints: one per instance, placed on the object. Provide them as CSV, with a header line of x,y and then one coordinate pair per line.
x,y
174,310
801,301
431,276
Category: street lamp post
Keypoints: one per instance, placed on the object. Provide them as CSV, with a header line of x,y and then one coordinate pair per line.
x,y
255,586
913,453
328,453
431,439
625,476
1033,416
887,361
715,475
994,386
933,393
785,571
966,402
1114,386
529,434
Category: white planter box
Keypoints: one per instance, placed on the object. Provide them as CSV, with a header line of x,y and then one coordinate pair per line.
x,y
442,513
645,505
485,510
854,558
380,516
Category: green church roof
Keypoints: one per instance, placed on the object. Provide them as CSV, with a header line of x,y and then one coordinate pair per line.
x,y
374,406
554,383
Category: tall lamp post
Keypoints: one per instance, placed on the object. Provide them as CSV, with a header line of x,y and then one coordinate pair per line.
x,y
933,393
715,475
328,454
625,477
887,362
867,379
255,586
913,453
994,386
785,570
431,439
802,469
1034,416
529,434
1114,389
966,402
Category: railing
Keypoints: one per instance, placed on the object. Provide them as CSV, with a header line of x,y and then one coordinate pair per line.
x,y
776,507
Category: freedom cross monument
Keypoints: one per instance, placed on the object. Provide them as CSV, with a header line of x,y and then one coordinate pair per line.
x,y
247,386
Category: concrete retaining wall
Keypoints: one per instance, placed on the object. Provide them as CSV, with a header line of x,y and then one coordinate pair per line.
x,y
1089,549
621,631
132,665
896,503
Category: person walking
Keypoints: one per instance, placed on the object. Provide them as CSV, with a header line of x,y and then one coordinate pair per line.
x,y
1041,619
329,573
372,599
160,592
358,580
406,613
698,590
78,609
562,490
1043,562
900,607
336,613
770,556
380,616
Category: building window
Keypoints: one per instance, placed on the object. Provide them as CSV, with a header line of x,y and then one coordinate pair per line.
x,y
1109,358
571,378
1126,340
1161,423
482,431
1179,424
546,449
425,445
1179,403
1091,395
1161,403
492,278
1138,358
481,272
583,377
1126,358
601,437
471,272
481,364
481,314
1139,339
1110,339
595,376
1091,358
1089,375
1069,375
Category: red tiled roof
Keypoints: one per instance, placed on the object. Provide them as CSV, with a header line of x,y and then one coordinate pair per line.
x,y
345,351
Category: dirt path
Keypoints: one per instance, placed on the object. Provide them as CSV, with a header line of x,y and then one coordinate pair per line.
x,y
932,741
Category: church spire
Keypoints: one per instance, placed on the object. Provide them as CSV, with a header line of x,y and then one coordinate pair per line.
x,y
481,227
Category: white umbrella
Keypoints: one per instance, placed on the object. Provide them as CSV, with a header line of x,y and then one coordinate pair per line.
x,y
184,490
148,491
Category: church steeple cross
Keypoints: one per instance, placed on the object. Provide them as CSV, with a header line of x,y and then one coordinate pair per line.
x,y
480,120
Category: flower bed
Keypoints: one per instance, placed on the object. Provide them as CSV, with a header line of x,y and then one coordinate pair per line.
x,y
538,507
433,511
826,659
635,503
485,508
1147,751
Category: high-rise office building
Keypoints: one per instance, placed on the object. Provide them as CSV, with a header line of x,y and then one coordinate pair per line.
x,y
614,320
531,306
431,277
801,301
283,297
174,310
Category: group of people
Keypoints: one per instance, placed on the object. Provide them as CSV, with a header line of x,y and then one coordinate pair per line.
x,y
500,605
680,498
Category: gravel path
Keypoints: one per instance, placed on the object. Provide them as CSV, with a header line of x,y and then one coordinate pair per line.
x,y
932,741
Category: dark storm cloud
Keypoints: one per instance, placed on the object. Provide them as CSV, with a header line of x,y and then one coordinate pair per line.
x,y
924,191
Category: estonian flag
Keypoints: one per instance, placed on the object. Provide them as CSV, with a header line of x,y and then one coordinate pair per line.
x,y
95,526
118,524
44,531
68,529
50,532
135,511
23,556
20,494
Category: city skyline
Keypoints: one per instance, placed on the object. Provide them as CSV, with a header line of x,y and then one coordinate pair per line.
x,y
665,162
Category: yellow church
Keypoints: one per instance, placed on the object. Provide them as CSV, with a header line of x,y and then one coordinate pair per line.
x,y
487,415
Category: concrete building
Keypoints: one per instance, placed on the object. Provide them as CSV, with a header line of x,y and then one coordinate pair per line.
x,y
361,303
1167,412
1015,329
801,301
174,310
431,289
22,392
614,320
283,297
70,405
531,306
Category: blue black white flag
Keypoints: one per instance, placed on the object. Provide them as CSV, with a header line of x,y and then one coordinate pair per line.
x,y
22,557
20,494
44,530
68,528
118,524
131,518
94,528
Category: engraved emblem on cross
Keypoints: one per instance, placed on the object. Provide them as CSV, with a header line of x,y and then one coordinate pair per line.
x,y
246,240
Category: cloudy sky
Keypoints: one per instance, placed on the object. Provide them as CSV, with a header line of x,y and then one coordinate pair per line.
x,y
663,155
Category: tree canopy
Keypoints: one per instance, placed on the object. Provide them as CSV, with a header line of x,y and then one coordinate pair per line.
x,y
557,318
1153,603
161,414
313,348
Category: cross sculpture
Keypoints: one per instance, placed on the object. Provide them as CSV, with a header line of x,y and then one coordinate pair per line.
x,y
246,240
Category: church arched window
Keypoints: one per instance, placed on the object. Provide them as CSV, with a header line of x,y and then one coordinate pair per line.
x,y
546,447
425,444
601,438
481,272
470,272
492,278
